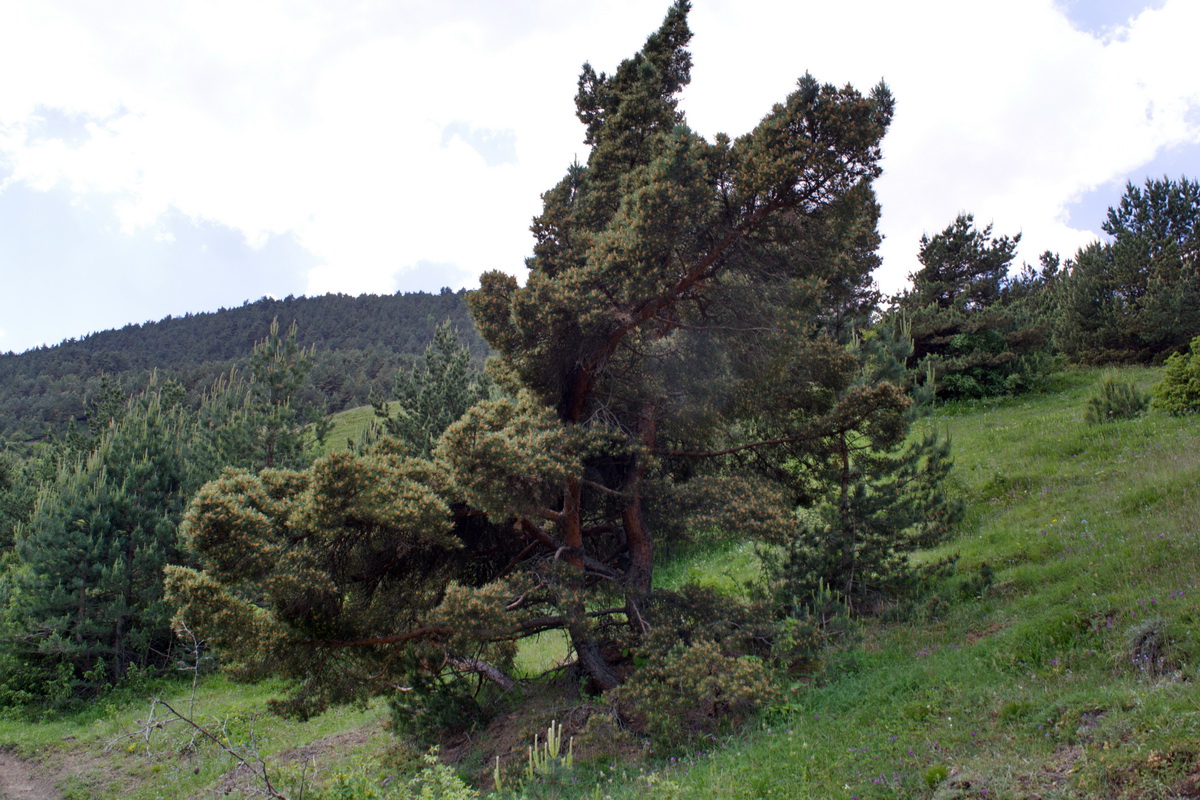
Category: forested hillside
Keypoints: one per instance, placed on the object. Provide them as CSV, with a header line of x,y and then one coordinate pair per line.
x,y
705,491
359,344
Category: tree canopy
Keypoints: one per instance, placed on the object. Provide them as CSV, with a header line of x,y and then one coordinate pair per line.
x,y
973,327
1136,298
675,345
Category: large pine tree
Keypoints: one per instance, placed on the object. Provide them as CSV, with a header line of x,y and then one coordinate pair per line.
x,y
675,343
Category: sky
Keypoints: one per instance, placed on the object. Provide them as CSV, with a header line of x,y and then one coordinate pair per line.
x,y
163,157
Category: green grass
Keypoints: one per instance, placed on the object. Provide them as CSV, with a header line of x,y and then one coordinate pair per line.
x,y
1036,687
113,749
1033,688
722,565
348,426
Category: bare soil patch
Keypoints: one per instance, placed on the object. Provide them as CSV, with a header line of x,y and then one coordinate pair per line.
x,y
22,779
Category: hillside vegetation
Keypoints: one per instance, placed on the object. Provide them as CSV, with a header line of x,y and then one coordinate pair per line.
x,y
715,520
1065,667
360,342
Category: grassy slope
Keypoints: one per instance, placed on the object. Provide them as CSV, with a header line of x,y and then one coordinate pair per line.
x,y
1028,689
348,425
1033,688
109,751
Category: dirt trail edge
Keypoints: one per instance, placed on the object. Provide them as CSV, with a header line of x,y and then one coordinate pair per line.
x,y
24,780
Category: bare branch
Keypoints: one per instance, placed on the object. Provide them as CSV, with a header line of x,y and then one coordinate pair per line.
x,y
601,488
478,666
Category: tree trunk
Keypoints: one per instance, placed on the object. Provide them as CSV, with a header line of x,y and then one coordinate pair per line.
x,y
639,578
593,663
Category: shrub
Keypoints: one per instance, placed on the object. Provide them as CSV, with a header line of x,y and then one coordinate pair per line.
x,y
1113,400
436,781
1178,392
707,665
696,689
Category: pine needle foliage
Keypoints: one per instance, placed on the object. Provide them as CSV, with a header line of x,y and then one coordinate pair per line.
x,y
876,499
431,395
1178,392
1137,297
680,337
83,598
1115,399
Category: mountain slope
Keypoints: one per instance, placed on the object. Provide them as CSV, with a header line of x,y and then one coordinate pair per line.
x,y
359,342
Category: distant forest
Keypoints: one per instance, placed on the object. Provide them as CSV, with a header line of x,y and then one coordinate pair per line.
x,y
360,342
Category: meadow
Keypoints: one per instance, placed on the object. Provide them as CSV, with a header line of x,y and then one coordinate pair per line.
x,y
1057,657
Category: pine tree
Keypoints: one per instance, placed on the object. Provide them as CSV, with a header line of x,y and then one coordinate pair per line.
x,y
433,394
879,499
18,487
278,368
677,319
1090,326
968,333
1137,297
84,599
255,416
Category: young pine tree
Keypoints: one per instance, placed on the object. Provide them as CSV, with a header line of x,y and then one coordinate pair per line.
x,y
877,498
84,600
433,394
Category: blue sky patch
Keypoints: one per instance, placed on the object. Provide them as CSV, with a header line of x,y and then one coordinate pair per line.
x,y
1101,17
496,147
106,279
1089,212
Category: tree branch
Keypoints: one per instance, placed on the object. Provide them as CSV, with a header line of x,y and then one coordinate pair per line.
x,y
589,564
478,666
739,448
601,488
427,632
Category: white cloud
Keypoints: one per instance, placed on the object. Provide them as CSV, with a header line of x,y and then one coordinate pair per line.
x,y
329,121
1004,110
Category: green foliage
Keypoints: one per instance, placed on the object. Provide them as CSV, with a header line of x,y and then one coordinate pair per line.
x,y
707,664
685,307
435,781
1082,528
362,341
353,546
83,587
19,479
1137,297
549,769
270,427
1091,325
694,689
685,303
961,267
509,455
433,394
875,498
439,782
83,598
936,775
1178,392
1115,399
973,330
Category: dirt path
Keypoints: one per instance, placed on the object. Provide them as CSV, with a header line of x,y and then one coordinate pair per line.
x,y
23,780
